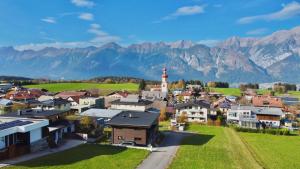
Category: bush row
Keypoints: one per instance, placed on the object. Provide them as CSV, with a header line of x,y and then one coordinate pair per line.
x,y
266,131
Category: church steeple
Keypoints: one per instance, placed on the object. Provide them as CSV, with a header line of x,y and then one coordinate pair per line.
x,y
164,81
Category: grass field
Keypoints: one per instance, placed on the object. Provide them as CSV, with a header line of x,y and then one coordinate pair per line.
x,y
237,92
58,87
88,156
228,91
213,147
274,152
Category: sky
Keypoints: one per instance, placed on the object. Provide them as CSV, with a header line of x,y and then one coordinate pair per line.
x,y
34,24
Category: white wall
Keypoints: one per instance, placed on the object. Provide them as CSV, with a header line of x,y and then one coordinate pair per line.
x,y
35,135
129,107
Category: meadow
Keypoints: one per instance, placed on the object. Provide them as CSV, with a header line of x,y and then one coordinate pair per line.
x,y
227,91
58,87
88,156
222,147
274,152
213,147
237,92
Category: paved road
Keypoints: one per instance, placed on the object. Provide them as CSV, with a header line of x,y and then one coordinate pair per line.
x,y
163,155
69,144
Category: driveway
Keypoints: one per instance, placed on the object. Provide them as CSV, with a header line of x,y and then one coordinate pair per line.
x,y
163,155
69,144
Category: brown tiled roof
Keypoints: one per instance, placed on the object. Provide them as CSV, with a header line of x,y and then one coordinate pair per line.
x,y
267,101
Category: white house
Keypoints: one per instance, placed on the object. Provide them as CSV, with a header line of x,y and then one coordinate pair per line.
x,y
196,111
55,104
134,104
17,134
254,117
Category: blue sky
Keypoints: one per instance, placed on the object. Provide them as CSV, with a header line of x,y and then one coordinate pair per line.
x,y
78,23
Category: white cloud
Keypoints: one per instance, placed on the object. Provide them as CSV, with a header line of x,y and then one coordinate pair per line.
x,y
184,11
100,35
49,20
86,16
209,42
189,10
100,38
259,31
288,11
83,3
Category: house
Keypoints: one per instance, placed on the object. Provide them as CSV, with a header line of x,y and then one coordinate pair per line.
x,y
105,114
5,103
177,92
223,104
20,136
58,126
4,87
134,104
20,96
55,104
186,96
231,98
153,95
254,117
118,94
249,94
267,101
195,111
138,128
95,102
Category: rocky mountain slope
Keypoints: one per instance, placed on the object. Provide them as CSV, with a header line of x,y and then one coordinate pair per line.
x,y
272,58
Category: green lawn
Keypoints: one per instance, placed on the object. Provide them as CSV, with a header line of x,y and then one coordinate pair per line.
x,y
58,87
227,91
89,156
164,125
213,147
274,152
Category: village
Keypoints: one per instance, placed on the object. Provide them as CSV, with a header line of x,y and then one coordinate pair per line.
x,y
35,120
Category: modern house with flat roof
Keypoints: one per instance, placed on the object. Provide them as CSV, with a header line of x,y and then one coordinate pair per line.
x,y
57,123
19,136
254,117
105,114
137,128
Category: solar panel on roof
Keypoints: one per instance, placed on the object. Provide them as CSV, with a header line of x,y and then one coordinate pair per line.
x,y
14,124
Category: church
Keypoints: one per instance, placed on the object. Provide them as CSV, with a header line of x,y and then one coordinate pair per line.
x,y
158,92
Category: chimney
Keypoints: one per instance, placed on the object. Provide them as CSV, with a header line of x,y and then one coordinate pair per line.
x,y
19,113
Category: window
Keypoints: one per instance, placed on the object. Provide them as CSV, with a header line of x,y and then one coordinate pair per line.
x,y
120,138
2,142
137,139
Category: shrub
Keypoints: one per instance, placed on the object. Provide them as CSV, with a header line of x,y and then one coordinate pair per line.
x,y
272,131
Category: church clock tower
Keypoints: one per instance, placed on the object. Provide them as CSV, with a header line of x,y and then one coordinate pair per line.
x,y
164,82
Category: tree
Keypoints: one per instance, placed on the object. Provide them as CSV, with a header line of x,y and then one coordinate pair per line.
x,y
163,114
181,84
142,85
182,118
86,121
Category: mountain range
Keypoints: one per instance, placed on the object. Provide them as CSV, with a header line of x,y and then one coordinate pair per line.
x,y
275,57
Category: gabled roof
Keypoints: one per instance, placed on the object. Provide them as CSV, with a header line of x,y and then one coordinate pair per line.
x,y
134,119
202,103
5,102
260,110
140,102
67,94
